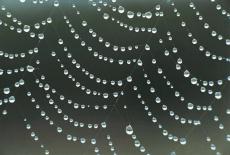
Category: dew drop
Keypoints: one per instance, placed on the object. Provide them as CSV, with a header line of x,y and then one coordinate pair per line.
x,y
82,140
190,106
47,152
106,16
194,81
147,47
228,111
56,3
148,15
142,149
186,73
227,41
212,147
139,62
59,129
218,95
129,130
137,143
11,99
228,138
183,141
6,91
26,28
41,36
158,7
93,141
30,68
130,14
69,137
121,9
4,112
173,153
129,79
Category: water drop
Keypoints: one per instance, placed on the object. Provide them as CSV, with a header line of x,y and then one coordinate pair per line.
x,y
227,41
158,7
129,79
11,99
56,3
139,62
183,141
93,141
121,9
129,129
148,15
47,152
6,91
82,140
147,47
218,95
137,143
130,14
142,149
59,129
194,81
4,112
190,106
106,16
30,68
228,138
26,28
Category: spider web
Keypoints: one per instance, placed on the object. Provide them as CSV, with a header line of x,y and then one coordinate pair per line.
x,y
114,77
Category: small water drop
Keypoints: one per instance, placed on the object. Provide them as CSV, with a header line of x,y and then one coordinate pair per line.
x,y
148,15
22,1
11,99
26,28
130,14
227,41
129,79
56,3
4,112
194,81
228,138
30,68
106,16
183,141
59,129
139,62
190,106
129,129
218,95
121,9
6,91
147,47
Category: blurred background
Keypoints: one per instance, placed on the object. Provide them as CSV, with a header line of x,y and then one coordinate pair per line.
x,y
15,139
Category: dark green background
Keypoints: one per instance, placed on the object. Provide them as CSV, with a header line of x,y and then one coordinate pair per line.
x,y
15,139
